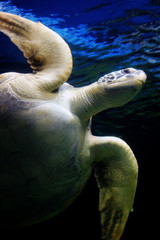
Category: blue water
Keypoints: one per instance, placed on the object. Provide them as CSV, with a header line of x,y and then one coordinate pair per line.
x,y
106,36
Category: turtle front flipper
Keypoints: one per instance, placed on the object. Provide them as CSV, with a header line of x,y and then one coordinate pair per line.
x,y
116,172
47,53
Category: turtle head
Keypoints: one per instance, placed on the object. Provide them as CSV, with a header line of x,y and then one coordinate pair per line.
x,y
111,90
121,86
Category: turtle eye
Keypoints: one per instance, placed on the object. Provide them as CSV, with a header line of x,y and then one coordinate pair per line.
x,y
126,71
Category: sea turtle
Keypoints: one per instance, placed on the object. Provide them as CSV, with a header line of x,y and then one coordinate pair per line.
x,y
47,150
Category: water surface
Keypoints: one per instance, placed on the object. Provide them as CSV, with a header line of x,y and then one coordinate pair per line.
x,y
106,36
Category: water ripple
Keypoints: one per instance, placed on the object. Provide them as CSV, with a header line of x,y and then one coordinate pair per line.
x,y
102,40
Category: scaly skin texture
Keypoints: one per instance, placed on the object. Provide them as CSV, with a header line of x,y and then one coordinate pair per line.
x,y
47,150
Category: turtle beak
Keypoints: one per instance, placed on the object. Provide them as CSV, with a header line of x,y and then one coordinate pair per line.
x,y
141,76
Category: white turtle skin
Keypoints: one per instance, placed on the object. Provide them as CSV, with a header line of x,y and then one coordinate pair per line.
x,y
47,150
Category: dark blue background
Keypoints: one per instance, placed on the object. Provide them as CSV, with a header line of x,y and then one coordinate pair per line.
x,y
104,36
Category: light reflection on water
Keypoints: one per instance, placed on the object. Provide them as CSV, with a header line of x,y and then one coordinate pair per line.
x,y
102,40
106,36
